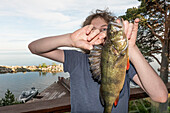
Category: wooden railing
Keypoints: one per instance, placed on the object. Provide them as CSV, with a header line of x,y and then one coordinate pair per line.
x,y
60,105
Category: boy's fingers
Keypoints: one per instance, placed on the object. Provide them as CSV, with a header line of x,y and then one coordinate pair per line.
x,y
102,35
88,46
129,32
135,28
98,38
94,40
84,45
93,34
118,21
137,20
89,29
99,41
126,25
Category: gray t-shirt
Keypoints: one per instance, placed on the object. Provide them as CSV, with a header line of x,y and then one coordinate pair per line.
x,y
85,91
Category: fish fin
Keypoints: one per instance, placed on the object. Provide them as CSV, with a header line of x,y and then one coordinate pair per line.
x,y
116,101
128,64
101,98
94,60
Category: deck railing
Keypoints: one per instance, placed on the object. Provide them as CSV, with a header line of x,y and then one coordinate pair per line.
x,y
60,105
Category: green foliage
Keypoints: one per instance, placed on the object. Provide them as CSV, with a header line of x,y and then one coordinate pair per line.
x,y
44,65
39,66
54,64
9,99
139,106
0,102
133,13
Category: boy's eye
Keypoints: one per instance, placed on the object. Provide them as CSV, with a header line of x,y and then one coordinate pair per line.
x,y
104,29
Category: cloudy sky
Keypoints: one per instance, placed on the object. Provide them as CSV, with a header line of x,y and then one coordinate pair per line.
x,y
22,21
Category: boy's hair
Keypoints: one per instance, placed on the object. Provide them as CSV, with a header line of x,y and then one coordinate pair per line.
x,y
105,14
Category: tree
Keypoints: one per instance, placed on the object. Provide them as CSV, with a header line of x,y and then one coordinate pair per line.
x,y
54,64
158,23
39,66
9,99
44,65
154,33
0,102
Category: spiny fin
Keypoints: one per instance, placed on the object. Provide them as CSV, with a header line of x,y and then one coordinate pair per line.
x,y
116,101
128,64
95,59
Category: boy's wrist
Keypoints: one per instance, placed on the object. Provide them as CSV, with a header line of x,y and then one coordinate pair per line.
x,y
70,38
132,51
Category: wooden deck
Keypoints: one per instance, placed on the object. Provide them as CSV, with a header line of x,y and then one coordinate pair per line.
x,y
60,89
57,94
56,99
58,105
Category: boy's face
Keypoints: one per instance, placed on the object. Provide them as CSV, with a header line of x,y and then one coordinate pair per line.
x,y
99,23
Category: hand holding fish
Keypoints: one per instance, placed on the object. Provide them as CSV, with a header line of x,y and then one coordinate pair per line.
x,y
86,37
131,30
147,79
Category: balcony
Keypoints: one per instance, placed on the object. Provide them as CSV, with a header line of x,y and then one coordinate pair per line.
x,y
50,102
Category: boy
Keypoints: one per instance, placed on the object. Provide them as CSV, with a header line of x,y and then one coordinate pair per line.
x,y
84,90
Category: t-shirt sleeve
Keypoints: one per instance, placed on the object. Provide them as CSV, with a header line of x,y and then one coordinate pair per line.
x,y
72,59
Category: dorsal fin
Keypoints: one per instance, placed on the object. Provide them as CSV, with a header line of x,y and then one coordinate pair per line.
x,y
95,59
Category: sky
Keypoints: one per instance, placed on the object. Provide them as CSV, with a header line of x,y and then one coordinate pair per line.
x,y
22,21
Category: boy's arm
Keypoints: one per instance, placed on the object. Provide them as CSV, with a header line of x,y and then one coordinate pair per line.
x,y
146,78
48,47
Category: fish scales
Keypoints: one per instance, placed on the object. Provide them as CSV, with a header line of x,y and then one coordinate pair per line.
x,y
113,64
114,58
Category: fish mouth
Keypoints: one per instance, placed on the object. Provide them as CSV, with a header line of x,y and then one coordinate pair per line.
x,y
115,34
119,25
113,27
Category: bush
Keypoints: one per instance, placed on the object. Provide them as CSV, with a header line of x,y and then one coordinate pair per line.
x,y
44,65
39,66
139,106
54,64
9,99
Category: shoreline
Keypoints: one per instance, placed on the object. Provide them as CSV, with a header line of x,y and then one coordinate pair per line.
x,y
46,68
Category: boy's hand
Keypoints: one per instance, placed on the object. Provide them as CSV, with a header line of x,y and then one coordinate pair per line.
x,y
131,30
86,37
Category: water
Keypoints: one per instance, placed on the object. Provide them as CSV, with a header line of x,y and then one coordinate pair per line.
x,y
17,82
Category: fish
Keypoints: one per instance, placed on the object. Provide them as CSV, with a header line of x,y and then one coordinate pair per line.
x,y
108,65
